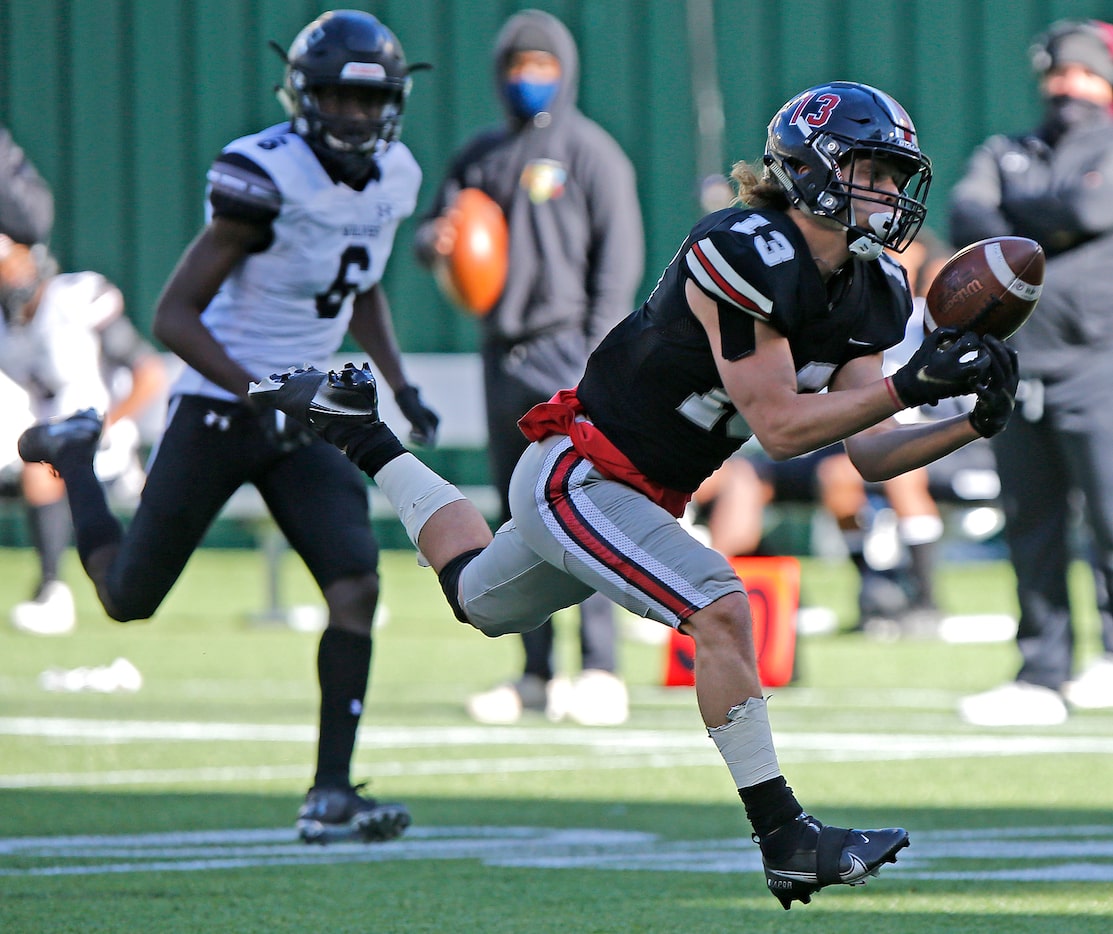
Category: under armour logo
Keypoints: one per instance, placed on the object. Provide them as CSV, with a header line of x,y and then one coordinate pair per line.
x,y
216,420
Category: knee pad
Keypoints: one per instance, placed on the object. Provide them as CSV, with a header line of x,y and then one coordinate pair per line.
x,y
449,576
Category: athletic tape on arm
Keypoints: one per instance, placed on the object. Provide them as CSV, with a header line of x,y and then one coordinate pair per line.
x,y
415,492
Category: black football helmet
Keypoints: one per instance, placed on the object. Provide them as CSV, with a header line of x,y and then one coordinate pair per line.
x,y
813,143
346,48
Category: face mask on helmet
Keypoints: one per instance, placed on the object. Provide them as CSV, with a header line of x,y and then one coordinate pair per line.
x,y
879,214
352,118
848,152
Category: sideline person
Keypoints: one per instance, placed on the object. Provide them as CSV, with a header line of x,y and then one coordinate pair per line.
x,y
1055,186
576,258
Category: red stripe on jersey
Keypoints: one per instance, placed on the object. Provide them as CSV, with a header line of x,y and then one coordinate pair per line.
x,y
742,301
588,538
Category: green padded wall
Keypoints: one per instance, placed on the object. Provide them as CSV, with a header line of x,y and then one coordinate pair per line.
x,y
123,103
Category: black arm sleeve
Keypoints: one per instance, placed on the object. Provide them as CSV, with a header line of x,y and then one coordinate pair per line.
x,y
122,345
240,190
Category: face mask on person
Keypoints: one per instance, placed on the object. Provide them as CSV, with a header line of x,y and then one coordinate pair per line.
x,y
1062,113
527,99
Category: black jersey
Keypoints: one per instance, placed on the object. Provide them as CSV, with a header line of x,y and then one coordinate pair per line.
x,y
652,386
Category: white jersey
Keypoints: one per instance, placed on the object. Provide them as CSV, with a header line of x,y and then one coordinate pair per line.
x,y
56,356
290,304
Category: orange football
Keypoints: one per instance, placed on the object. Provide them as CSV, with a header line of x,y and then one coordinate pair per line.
x,y
474,273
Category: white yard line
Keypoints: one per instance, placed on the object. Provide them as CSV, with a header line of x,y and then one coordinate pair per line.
x,y
1050,854
599,749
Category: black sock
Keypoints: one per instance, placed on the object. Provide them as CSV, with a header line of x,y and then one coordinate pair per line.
x,y
369,447
93,523
50,534
343,666
770,805
922,558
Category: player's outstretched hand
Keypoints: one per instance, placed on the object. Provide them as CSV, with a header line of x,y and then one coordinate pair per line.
x,y
423,420
997,392
948,363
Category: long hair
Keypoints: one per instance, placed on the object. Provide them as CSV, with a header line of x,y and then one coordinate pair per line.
x,y
757,191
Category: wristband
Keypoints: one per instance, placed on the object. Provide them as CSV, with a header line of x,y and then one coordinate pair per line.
x,y
893,394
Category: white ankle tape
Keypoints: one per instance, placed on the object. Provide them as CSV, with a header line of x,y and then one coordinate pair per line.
x,y
415,492
745,742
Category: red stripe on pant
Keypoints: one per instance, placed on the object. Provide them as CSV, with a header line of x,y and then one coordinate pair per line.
x,y
585,536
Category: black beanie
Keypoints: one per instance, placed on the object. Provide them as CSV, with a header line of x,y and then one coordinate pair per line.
x,y
1082,42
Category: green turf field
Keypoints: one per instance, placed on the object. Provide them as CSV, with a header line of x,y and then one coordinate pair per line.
x,y
171,809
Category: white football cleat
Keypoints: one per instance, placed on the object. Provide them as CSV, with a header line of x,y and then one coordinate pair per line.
x,y
1018,703
598,698
50,613
1093,689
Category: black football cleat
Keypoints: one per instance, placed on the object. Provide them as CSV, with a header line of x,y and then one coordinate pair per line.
x,y
318,399
830,856
333,814
42,443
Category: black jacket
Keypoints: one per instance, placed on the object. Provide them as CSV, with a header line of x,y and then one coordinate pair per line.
x,y
1060,194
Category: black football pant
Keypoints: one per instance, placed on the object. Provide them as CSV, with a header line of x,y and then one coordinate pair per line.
x,y
210,448
1051,469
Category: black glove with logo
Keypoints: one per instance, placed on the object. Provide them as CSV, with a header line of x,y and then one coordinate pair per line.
x,y
423,420
948,363
997,392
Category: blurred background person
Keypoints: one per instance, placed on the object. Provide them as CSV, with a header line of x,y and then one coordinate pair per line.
x,y
570,199
1054,184
68,345
26,200
26,218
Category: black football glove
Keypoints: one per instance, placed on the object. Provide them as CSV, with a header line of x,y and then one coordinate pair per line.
x,y
997,392
948,363
423,420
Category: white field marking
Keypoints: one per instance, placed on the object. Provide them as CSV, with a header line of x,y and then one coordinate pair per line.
x,y
902,698
1049,854
589,749
840,746
378,770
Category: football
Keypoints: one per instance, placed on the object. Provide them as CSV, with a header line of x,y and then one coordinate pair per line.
x,y
473,275
989,287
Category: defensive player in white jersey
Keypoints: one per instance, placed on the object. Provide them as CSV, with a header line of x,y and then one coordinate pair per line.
x,y
65,344
302,218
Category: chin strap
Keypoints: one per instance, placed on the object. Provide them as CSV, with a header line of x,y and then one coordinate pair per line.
x,y
356,169
869,245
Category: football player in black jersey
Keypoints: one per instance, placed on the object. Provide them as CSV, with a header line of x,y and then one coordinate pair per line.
x,y
764,305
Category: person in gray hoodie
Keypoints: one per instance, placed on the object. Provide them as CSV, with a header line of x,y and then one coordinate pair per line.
x,y
576,257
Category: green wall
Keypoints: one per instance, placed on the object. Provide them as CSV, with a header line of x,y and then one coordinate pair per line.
x,y
123,103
